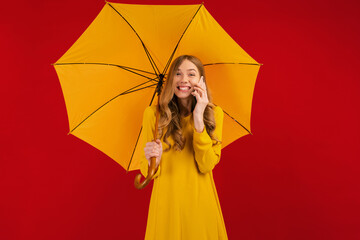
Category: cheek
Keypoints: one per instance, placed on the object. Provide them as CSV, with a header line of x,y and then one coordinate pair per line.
x,y
175,80
194,81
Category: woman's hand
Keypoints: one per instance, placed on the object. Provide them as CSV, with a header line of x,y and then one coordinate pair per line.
x,y
201,103
201,98
153,149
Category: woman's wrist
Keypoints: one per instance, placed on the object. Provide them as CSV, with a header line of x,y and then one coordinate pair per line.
x,y
199,131
199,123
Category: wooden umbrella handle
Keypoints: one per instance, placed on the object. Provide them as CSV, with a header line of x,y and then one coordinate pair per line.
x,y
151,170
151,173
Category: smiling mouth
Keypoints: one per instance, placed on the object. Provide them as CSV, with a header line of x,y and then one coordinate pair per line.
x,y
183,88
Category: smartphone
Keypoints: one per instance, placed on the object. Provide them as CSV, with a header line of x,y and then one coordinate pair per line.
x,y
195,97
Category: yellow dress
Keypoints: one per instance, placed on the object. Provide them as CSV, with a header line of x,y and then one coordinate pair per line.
x,y
184,203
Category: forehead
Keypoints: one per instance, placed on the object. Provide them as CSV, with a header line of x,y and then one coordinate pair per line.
x,y
187,65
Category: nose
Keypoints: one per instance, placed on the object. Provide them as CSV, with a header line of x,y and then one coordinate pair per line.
x,y
184,79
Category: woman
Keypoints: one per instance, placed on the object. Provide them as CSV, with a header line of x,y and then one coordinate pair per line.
x,y
184,202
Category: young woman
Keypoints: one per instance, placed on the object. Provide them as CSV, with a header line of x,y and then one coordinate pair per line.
x,y
184,202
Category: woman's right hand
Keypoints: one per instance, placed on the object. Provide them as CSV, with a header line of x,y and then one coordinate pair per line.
x,y
153,149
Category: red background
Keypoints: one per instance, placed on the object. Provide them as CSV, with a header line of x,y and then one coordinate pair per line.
x,y
297,177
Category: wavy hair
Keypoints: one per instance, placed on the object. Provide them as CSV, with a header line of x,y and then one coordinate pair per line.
x,y
169,119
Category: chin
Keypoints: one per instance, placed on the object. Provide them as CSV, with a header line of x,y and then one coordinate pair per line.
x,y
182,96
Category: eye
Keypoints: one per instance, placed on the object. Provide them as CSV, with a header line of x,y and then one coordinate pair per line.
x,y
192,74
178,74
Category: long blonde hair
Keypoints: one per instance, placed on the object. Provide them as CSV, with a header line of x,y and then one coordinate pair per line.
x,y
170,111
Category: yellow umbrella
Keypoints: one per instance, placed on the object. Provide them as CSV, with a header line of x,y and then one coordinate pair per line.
x,y
110,74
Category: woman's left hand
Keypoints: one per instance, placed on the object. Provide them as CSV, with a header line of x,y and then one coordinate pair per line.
x,y
201,97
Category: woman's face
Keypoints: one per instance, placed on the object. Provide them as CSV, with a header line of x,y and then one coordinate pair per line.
x,y
184,79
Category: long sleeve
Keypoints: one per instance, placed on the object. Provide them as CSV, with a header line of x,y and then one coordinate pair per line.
x,y
206,155
148,127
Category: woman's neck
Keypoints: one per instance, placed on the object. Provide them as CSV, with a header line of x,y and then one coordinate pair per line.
x,y
184,106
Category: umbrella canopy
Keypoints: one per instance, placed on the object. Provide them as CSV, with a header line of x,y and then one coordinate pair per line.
x,y
109,75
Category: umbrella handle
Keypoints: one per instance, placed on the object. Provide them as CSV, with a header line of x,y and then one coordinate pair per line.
x,y
151,173
151,170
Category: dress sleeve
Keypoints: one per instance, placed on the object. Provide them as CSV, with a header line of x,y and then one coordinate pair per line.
x,y
206,155
148,127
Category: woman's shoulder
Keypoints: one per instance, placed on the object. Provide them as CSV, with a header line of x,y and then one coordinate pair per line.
x,y
150,111
151,108
218,111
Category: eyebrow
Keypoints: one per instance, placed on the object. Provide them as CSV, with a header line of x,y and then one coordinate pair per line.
x,y
192,69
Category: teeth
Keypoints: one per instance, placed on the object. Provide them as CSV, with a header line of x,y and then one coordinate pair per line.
x,y
184,88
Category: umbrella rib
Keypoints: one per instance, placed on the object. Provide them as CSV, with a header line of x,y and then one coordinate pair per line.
x,y
257,64
137,140
152,62
152,98
132,155
130,90
177,45
236,121
129,69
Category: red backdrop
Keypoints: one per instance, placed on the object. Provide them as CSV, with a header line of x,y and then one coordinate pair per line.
x,y
297,177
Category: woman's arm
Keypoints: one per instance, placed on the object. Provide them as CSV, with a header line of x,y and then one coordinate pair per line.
x,y
148,127
206,155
